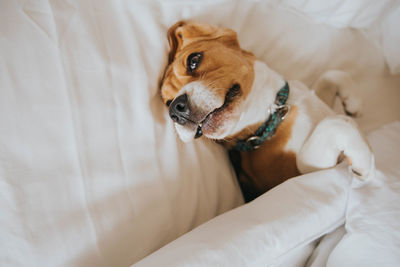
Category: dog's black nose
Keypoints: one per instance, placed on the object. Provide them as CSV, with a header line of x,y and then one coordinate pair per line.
x,y
179,109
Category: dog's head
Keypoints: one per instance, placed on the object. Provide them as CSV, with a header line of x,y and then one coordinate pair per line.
x,y
207,79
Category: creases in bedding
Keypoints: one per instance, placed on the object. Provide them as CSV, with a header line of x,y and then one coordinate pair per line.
x,y
70,85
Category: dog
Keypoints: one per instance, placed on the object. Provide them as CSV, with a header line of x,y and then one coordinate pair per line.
x,y
274,129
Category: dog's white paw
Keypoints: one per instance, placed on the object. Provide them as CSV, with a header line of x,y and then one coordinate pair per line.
x,y
352,105
363,170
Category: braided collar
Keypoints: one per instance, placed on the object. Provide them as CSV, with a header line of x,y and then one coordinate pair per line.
x,y
268,128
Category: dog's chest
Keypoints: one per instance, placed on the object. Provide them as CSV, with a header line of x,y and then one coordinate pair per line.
x,y
275,161
270,164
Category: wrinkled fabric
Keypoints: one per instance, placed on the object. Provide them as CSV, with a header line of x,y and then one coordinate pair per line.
x,y
282,227
91,170
373,212
266,231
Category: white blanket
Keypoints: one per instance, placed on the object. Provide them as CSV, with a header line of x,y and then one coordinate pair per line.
x,y
278,228
91,171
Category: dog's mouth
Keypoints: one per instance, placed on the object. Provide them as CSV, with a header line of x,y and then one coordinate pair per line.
x,y
232,93
207,120
209,123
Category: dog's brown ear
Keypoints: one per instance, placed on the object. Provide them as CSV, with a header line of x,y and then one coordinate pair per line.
x,y
174,39
183,33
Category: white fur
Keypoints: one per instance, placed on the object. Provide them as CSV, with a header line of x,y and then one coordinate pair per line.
x,y
185,133
338,83
335,135
310,111
256,108
201,98
319,136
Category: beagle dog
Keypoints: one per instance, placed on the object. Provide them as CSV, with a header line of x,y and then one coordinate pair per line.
x,y
274,129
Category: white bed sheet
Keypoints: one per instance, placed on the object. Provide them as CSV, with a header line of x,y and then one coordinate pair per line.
x,y
267,230
278,228
91,171
373,211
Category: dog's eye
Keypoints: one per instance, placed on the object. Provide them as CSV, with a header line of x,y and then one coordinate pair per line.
x,y
193,61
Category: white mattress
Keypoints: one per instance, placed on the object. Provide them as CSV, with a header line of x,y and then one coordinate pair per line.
x,y
91,171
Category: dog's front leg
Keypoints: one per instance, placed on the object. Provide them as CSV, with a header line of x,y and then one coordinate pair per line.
x,y
333,136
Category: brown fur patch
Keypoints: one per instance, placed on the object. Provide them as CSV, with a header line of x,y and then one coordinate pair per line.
x,y
270,165
224,63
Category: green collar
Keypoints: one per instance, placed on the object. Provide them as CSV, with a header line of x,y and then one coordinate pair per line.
x,y
268,128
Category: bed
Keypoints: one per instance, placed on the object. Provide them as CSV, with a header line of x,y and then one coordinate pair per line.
x,y
93,174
